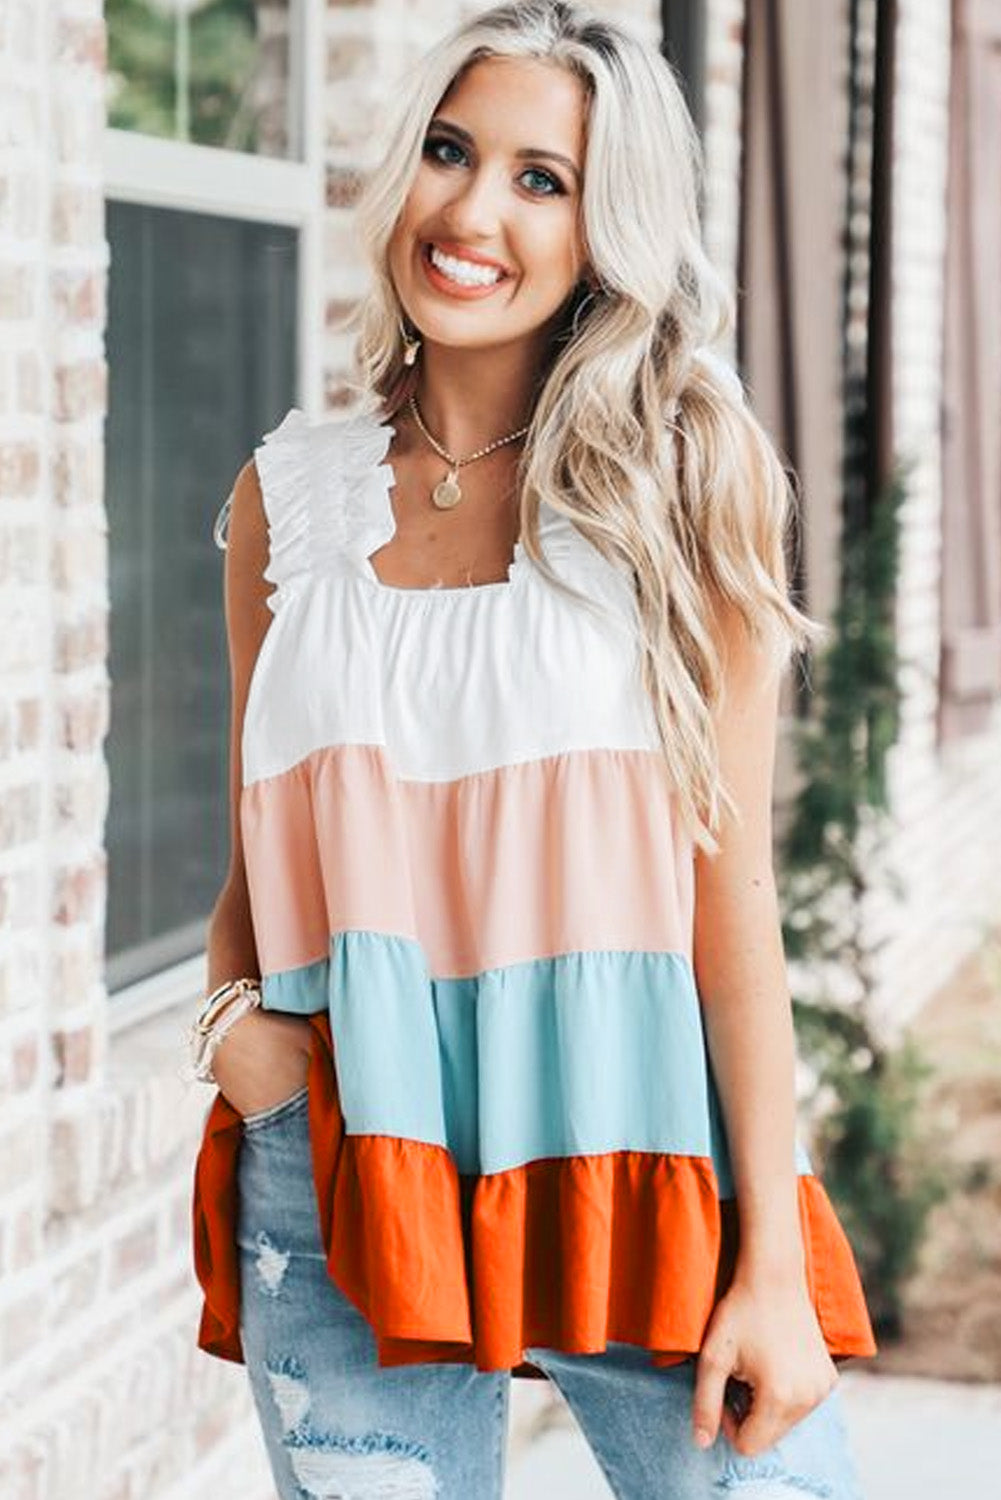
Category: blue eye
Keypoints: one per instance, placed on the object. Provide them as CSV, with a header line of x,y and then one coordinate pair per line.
x,y
555,185
434,144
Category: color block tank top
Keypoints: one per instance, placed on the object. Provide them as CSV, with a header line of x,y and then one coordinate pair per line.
x,y
467,868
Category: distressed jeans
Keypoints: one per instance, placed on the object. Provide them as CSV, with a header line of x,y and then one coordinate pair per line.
x,y
336,1424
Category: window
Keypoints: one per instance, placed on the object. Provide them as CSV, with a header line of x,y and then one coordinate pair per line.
x,y
215,72
202,354
213,227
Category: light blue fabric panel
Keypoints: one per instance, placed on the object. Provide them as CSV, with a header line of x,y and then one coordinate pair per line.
x,y
386,1049
302,991
579,1054
587,1053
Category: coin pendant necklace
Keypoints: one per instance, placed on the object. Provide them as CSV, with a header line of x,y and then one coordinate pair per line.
x,y
447,492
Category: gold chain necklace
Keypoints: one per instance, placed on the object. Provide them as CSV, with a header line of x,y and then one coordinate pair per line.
x,y
447,492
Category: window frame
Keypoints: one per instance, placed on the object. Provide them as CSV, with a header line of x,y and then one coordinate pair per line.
x,y
684,29
157,172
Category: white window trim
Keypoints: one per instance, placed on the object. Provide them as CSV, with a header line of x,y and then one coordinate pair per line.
x,y
179,985
163,173
204,179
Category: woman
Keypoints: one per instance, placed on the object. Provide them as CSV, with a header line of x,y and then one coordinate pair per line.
x,y
514,1094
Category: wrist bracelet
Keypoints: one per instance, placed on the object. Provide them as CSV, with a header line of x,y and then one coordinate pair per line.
x,y
219,1012
214,1004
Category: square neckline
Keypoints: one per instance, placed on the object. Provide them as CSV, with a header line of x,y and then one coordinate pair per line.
x,y
515,568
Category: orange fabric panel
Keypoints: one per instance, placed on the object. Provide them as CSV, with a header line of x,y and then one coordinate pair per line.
x,y
566,1253
214,1215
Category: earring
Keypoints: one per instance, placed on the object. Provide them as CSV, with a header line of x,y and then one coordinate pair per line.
x,y
411,346
591,296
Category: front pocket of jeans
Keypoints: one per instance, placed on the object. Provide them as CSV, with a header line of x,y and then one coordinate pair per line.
x,y
274,1112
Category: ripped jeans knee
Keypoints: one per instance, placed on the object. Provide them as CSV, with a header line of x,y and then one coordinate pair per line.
x,y
332,1465
766,1480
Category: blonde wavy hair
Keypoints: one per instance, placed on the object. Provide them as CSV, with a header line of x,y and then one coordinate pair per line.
x,y
643,442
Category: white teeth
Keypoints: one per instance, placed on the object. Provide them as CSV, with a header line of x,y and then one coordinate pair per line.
x,y
463,271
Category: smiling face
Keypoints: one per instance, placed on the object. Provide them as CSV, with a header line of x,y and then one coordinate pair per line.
x,y
498,190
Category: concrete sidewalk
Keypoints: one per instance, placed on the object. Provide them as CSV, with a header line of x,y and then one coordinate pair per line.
x,y
913,1439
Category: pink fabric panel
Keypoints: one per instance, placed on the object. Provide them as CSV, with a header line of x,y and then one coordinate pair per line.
x,y
575,851
283,871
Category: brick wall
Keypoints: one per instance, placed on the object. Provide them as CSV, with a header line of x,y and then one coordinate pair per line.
x,y
948,803
102,1394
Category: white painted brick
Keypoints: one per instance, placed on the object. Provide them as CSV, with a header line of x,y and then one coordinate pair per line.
x,y
952,800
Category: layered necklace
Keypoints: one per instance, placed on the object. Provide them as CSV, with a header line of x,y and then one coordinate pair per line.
x,y
447,492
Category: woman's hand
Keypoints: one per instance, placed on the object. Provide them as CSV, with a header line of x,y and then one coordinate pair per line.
x,y
763,1333
262,1060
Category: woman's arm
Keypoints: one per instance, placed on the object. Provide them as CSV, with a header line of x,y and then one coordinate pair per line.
x,y
740,965
765,1331
232,949
263,1058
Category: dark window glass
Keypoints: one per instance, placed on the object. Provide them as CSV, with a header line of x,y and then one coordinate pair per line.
x,y
202,356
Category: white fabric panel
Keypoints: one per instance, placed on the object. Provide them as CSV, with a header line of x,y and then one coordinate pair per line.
x,y
451,681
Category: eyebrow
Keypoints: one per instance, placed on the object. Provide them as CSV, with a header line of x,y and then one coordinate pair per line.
x,y
523,154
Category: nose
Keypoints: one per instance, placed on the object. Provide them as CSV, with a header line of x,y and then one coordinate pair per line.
x,y
474,209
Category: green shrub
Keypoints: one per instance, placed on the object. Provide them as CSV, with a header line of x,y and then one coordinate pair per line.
x,y
875,1151
879,1166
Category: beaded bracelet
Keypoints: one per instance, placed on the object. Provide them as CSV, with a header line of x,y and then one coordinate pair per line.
x,y
219,1012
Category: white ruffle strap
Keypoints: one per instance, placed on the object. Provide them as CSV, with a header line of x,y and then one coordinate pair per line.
x,y
326,496
352,485
283,468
